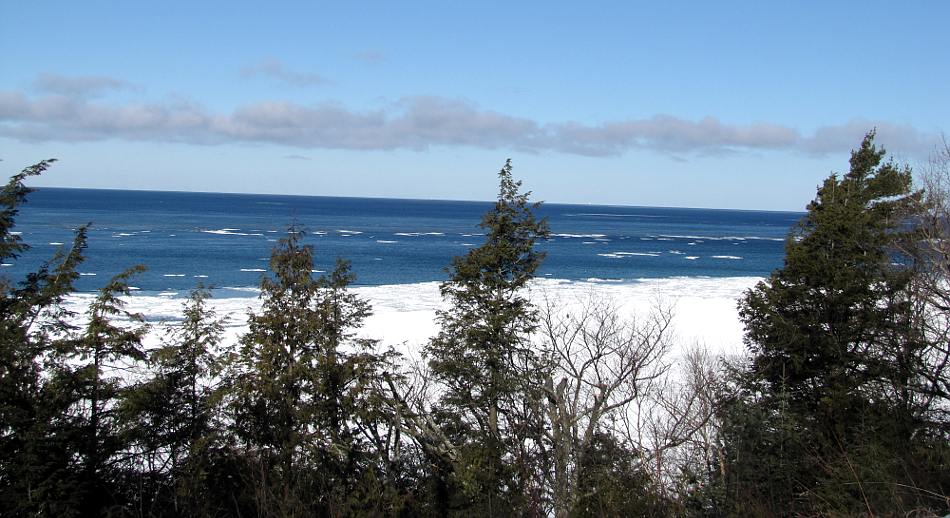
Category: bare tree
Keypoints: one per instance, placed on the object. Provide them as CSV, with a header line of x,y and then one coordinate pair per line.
x,y
931,284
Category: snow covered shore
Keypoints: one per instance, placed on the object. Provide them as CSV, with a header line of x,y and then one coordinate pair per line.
x,y
404,314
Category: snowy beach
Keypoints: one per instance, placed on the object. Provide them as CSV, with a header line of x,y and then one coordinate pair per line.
x,y
704,309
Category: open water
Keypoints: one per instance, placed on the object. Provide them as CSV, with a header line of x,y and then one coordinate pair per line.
x,y
224,240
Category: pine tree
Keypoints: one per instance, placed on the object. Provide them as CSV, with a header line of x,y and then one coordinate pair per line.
x,y
171,419
833,346
37,475
483,357
96,374
300,382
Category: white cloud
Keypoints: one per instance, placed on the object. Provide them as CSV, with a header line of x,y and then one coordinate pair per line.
x,y
418,123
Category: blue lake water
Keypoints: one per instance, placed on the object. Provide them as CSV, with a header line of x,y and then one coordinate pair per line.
x,y
224,240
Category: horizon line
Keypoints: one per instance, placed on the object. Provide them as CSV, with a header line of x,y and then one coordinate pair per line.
x,y
543,202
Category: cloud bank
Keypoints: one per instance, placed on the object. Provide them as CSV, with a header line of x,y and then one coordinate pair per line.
x,y
68,113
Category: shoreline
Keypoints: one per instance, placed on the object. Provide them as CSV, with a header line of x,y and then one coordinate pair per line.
x,y
403,316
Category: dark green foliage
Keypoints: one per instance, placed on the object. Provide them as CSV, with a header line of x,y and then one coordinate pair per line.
x,y
484,360
95,371
37,465
827,414
613,484
172,424
301,393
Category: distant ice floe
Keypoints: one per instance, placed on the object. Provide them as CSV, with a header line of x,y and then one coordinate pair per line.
x,y
231,232
723,238
733,257
621,255
580,236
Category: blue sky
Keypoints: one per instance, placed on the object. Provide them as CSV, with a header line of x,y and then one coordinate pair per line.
x,y
710,104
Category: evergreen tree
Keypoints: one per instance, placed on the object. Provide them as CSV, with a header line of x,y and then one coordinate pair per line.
x,y
37,475
171,417
300,388
834,347
96,373
483,357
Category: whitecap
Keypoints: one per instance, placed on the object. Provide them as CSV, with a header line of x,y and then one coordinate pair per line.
x,y
83,274
733,257
253,270
230,232
691,257
173,275
200,276
54,243
583,236
620,255
349,232
385,241
724,238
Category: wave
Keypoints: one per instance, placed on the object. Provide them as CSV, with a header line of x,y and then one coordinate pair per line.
x,y
722,238
230,232
621,255
733,257
583,236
